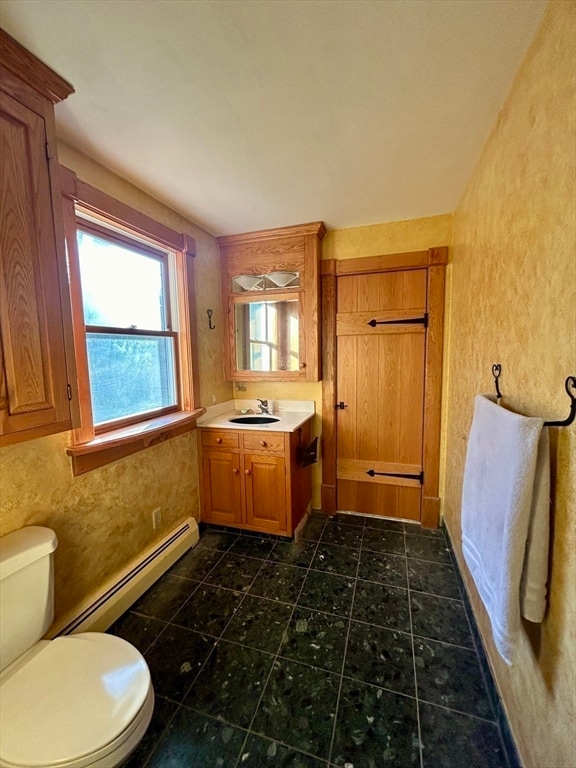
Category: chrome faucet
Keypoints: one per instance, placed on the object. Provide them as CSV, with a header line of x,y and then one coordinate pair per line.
x,y
263,405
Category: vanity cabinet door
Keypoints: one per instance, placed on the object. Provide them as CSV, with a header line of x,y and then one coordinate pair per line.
x,y
222,487
265,487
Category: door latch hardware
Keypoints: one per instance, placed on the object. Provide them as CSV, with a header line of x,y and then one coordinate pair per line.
x,y
408,321
341,405
419,476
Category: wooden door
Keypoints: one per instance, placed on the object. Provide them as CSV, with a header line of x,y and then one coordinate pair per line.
x,y
265,485
381,347
222,487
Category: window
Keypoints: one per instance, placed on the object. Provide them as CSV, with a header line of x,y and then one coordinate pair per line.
x,y
131,281
130,343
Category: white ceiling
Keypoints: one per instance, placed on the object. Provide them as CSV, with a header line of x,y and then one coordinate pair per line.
x,y
250,114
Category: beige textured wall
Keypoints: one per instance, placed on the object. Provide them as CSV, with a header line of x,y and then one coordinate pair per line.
x,y
393,237
514,302
103,518
357,242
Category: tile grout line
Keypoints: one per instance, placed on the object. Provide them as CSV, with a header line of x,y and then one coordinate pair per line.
x,y
216,639
267,559
337,706
249,731
480,652
461,712
178,704
420,744
168,623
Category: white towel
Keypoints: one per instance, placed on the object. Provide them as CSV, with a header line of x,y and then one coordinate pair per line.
x,y
535,571
505,497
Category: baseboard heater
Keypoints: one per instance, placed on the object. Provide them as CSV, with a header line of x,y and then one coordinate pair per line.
x,y
119,594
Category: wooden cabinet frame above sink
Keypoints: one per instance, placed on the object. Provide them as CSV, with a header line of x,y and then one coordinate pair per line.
x,y
287,249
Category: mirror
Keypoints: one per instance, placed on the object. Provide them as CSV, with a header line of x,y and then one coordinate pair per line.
x,y
267,335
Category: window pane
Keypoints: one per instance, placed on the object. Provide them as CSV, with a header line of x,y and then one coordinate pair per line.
x,y
129,375
121,287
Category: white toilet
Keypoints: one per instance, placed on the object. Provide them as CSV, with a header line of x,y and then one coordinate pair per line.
x,y
74,702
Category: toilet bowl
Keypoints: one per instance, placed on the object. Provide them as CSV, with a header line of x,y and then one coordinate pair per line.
x,y
80,701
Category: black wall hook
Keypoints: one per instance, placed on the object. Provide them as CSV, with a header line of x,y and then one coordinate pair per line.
x,y
496,371
569,386
569,383
210,312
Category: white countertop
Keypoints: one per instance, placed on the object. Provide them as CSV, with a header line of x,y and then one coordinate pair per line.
x,y
288,420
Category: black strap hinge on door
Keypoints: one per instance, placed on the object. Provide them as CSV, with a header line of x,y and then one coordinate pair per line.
x,y
408,321
419,476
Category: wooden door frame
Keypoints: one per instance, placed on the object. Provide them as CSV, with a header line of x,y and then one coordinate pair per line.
x,y
434,260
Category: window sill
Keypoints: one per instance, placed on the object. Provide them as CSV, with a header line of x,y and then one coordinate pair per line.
x,y
123,442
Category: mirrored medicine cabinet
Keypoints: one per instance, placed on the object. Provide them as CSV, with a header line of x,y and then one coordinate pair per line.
x,y
270,289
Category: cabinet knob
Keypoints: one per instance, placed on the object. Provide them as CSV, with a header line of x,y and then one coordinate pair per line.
x,y
234,471
246,471
218,439
263,443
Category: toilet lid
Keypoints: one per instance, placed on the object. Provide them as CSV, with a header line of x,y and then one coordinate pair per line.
x,y
76,695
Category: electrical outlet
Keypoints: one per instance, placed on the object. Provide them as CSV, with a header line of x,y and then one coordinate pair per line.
x,y
214,399
156,518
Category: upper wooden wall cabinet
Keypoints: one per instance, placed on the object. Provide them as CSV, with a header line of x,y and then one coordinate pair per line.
x,y
37,373
270,291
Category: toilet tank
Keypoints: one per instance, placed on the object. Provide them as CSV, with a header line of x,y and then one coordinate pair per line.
x,y
26,590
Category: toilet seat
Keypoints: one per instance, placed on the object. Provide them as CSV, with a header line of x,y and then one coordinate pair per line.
x,y
76,701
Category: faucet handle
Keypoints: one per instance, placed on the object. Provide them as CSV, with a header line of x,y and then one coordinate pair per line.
x,y
263,405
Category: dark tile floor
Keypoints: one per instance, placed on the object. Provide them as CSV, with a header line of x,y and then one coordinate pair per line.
x,y
348,648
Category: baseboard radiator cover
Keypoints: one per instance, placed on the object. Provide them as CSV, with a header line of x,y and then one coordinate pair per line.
x,y
121,592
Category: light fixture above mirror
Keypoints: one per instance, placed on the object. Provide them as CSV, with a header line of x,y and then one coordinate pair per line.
x,y
247,283
284,279
271,281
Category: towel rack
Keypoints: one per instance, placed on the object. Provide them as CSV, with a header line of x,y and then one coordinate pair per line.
x,y
569,384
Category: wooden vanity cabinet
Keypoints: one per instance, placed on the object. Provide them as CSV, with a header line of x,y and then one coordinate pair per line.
x,y
221,483
37,371
254,480
265,492
264,253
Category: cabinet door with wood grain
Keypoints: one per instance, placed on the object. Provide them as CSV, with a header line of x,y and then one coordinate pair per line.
x,y
265,486
34,390
221,487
